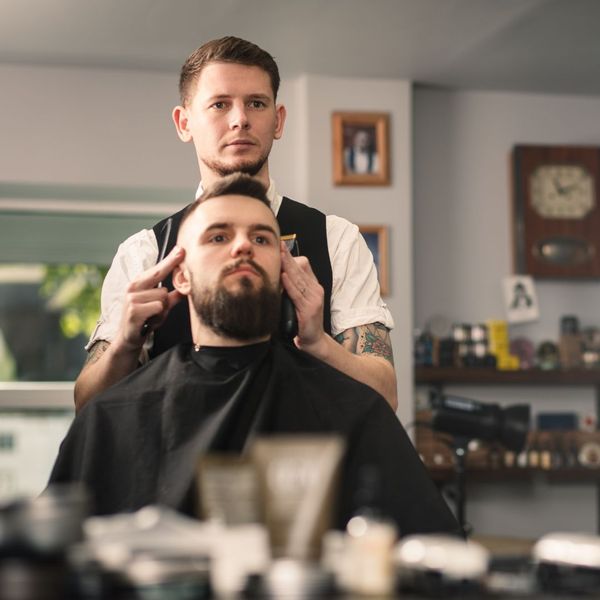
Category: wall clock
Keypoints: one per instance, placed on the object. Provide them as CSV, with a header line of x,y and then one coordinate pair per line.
x,y
556,211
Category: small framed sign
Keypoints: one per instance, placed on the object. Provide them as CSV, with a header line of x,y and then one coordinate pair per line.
x,y
520,299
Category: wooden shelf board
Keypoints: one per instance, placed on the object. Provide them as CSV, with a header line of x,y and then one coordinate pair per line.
x,y
577,475
486,376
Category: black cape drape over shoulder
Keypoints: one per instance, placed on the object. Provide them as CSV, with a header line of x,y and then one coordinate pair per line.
x,y
138,442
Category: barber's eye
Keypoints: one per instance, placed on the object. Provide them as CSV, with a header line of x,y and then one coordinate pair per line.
x,y
257,104
218,238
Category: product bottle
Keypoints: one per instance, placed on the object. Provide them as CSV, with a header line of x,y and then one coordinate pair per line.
x,y
370,538
533,456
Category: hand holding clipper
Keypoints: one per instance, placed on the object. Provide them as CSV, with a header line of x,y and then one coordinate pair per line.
x,y
163,251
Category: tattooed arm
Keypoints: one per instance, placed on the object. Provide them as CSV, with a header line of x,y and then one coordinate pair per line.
x,y
363,352
105,365
371,339
371,360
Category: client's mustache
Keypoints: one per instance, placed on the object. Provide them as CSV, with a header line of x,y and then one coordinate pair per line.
x,y
244,261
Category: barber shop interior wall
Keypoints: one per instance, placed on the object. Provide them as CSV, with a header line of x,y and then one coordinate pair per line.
x,y
462,250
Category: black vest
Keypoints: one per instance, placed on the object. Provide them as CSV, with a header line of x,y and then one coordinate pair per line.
x,y
309,226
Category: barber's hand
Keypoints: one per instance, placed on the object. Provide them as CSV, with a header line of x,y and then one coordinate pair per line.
x,y
307,294
147,303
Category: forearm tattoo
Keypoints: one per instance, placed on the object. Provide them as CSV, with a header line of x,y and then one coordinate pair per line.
x,y
96,351
373,338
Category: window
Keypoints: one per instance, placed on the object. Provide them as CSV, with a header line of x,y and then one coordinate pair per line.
x,y
55,245
47,313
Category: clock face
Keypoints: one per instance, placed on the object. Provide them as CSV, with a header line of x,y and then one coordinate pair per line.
x,y
562,191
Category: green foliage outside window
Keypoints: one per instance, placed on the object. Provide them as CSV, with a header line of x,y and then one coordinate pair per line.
x,y
74,290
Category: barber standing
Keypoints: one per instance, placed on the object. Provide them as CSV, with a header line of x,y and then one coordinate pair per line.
x,y
228,91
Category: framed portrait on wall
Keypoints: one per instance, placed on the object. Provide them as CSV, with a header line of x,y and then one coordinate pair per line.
x,y
376,237
360,148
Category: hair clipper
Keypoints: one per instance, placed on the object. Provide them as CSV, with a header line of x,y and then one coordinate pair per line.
x,y
288,324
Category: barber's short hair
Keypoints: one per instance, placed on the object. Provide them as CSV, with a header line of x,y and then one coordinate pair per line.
x,y
237,184
227,49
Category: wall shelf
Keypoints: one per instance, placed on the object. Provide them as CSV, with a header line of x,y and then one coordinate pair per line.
x,y
486,376
438,377
515,475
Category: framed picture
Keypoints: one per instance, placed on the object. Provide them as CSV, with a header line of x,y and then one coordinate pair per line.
x,y
360,148
376,237
520,299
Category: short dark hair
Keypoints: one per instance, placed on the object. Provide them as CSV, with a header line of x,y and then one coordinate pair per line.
x,y
226,49
236,184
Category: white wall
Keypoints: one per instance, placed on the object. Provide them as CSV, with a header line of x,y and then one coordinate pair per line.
x,y
67,125
462,250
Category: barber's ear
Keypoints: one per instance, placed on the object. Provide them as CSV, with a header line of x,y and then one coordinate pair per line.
x,y
181,280
181,120
280,114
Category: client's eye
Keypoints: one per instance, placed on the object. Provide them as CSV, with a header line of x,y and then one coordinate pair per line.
x,y
261,240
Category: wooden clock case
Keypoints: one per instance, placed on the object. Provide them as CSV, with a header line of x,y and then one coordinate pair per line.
x,y
556,211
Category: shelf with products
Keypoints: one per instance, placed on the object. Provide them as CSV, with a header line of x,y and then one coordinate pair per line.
x,y
550,455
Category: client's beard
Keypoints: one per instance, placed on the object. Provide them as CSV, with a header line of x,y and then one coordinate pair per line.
x,y
251,168
246,314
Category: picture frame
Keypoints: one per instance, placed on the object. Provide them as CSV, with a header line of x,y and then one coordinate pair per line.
x,y
360,148
520,299
376,237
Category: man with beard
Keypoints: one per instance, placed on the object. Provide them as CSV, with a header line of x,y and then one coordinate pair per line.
x,y
229,111
138,443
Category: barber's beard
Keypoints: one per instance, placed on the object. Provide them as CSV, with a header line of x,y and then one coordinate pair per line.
x,y
248,313
249,167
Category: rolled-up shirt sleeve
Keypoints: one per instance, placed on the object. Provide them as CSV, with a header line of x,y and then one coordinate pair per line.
x,y
355,294
136,254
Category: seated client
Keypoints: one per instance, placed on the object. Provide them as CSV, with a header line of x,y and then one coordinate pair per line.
x,y
138,442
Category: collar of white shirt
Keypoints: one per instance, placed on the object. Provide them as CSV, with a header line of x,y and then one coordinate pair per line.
x,y
272,195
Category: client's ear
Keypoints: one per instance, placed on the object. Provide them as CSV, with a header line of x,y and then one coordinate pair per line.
x,y
181,280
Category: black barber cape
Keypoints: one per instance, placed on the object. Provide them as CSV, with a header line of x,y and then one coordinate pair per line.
x,y
138,442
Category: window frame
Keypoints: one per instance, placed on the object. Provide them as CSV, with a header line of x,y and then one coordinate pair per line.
x,y
39,199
